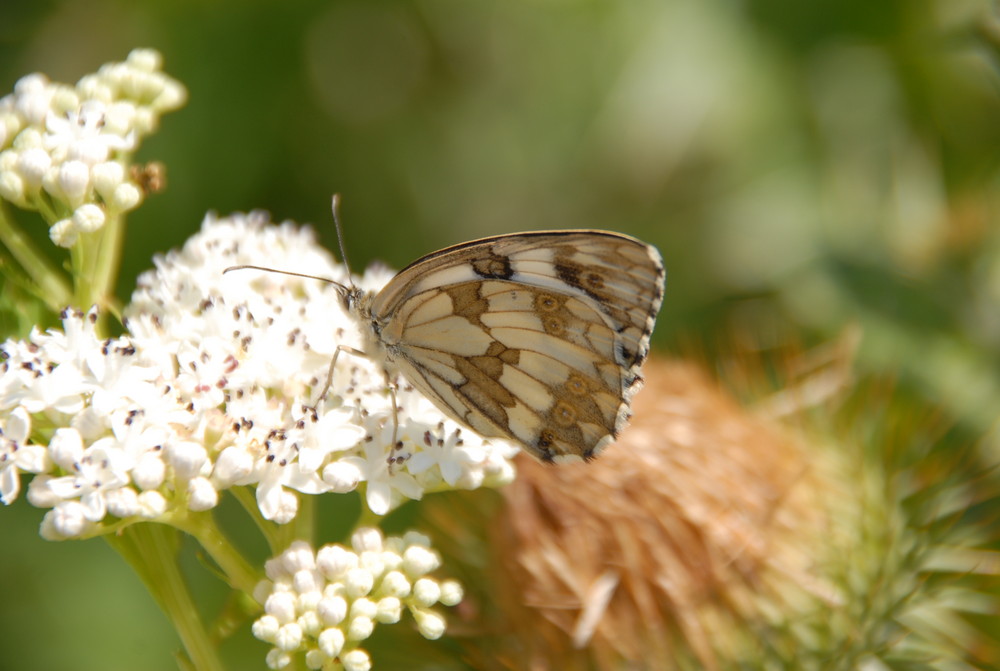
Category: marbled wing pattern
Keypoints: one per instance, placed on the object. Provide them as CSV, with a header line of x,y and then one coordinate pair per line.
x,y
535,337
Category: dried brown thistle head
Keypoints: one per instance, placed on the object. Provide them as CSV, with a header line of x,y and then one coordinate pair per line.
x,y
658,554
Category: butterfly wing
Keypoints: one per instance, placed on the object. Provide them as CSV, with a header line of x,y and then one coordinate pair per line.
x,y
536,337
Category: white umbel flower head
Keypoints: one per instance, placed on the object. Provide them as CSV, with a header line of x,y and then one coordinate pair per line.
x,y
344,615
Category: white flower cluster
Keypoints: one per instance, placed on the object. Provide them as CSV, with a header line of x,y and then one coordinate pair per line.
x,y
325,603
216,385
65,149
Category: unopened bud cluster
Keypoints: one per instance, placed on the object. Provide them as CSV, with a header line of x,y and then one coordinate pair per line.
x,y
325,603
65,151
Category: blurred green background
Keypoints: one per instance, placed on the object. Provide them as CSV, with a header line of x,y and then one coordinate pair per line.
x,y
804,167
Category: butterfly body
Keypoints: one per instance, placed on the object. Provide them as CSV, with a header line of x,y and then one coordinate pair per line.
x,y
533,337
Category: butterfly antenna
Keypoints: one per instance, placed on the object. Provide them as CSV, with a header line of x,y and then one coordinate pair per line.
x,y
335,206
281,272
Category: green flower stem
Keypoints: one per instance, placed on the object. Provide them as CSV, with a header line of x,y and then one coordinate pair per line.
x,y
108,263
52,286
238,571
151,550
96,258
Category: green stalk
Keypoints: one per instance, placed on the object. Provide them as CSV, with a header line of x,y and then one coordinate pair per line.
x,y
237,570
96,258
151,551
52,287
108,262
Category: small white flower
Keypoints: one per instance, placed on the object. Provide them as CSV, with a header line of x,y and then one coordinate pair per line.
x,y
119,118
385,488
390,560
277,659
360,628
202,495
299,556
359,581
265,628
390,610
307,581
100,469
63,233
125,197
356,660
12,188
149,470
123,502
72,180
451,593
309,622
187,458
32,165
373,562
289,636
82,134
364,607
332,610
67,520
335,561
426,592
66,448
39,493
152,504
233,466
88,218
331,641
341,476
287,508
415,538
32,96
106,176
395,584
418,561
367,539
17,455
145,60
281,606
430,624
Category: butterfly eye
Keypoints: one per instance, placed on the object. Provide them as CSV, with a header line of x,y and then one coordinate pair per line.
x,y
348,296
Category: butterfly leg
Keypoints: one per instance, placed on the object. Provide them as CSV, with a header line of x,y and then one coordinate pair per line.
x,y
329,371
395,412
390,385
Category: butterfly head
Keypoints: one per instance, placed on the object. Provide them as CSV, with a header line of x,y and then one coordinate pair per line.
x,y
351,297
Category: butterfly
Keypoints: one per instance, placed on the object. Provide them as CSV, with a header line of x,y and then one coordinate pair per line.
x,y
534,337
